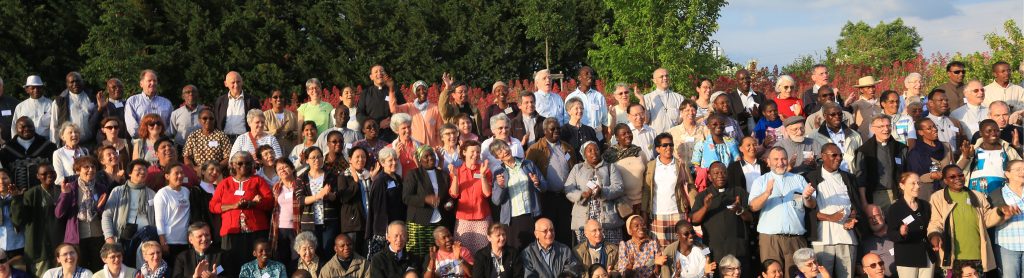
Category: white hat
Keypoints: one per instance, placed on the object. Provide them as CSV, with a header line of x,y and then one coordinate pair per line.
x,y
867,81
34,80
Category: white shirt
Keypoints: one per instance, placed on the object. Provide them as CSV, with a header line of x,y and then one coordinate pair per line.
x,y
644,138
550,105
436,216
243,143
970,115
751,171
662,110
839,138
947,129
595,109
184,122
1012,94
691,266
832,197
172,214
80,108
234,120
39,111
748,100
665,177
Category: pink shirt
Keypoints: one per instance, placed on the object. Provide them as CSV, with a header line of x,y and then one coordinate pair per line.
x,y
285,216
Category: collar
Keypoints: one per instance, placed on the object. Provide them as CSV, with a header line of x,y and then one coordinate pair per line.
x,y
743,162
398,254
827,172
972,106
634,128
841,130
658,163
747,94
550,248
239,97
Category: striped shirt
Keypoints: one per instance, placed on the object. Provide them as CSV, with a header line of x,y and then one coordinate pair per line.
x,y
1010,234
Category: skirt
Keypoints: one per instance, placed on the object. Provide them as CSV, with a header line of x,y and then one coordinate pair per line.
x,y
664,228
472,233
421,237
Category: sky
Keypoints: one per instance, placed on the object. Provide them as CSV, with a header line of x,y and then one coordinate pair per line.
x,y
776,32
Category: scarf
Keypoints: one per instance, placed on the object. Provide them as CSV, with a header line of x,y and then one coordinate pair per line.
x,y
421,106
603,259
87,202
159,272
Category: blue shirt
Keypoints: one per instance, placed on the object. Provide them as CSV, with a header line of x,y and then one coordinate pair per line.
x,y
10,239
595,109
1010,234
140,105
782,212
708,152
273,270
550,105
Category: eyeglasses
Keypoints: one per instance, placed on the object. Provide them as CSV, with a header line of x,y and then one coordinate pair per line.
x,y
665,145
978,90
955,176
878,264
110,127
275,97
788,87
963,71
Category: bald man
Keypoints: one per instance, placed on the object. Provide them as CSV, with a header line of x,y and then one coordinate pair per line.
x,y
147,102
394,261
595,250
547,257
873,265
229,110
662,104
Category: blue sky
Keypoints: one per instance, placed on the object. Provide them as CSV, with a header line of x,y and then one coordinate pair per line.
x,y
778,31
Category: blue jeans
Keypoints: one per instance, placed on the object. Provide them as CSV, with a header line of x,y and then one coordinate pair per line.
x,y
1011,262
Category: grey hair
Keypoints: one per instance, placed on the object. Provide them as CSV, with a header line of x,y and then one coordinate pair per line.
x,y
622,85
729,261
313,81
999,103
67,125
545,71
803,255
386,153
497,145
396,224
913,75
242,155
778,83
303,239
572,102
252,114
498,117
400,119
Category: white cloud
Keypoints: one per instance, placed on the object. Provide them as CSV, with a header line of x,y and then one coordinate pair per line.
x,y
776,32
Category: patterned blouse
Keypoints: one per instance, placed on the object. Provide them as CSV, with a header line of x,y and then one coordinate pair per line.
x,y
272,270
207,147
615,153
638,258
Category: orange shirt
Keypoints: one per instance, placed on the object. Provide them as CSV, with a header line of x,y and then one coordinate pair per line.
x,y
471,202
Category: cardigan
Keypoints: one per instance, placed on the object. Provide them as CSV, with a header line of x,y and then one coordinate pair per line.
x,y
540,154
350,203
648,199
811,217
908,250
867,161
21,163
287,131
610,182
385,204
115,214
67,207
501,197
519,129
941,223
611,254
330,213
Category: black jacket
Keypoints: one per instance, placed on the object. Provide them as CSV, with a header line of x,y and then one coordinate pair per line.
x,y
220,109
385,205
734,173
867,165
371,104
186,262
811,217
21,163
350,208
416,187
385,264
740,114
509,260
519,129
7,120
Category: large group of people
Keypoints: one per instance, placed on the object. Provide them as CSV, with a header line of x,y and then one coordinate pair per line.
x,y
730,183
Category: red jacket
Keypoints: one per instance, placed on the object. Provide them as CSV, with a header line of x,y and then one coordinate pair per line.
x,y
229,191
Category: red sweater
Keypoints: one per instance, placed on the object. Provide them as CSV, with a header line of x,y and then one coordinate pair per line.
x,y
257,217
789,107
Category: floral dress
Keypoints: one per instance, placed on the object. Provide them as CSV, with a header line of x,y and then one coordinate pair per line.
x,y
637,258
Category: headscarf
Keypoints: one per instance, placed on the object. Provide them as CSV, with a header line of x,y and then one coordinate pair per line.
x,y
583,149
423,150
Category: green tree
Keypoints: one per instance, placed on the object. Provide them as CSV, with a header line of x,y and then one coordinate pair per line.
x,y
875,47
673,34
1009,49
566,28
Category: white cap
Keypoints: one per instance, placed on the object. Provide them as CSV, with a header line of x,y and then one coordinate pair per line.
x,y
34,80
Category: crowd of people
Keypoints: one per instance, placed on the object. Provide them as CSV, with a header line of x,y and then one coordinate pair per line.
x,y
731,183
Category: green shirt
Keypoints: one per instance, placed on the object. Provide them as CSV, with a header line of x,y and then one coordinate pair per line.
x,y
967,240
319,114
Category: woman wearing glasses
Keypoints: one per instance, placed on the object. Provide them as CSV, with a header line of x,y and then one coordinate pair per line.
x,y
789,104
282,123
315,110
256,136
244,202
110,129
208,144
152,128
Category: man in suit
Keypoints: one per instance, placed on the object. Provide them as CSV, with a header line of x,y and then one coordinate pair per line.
x,y
819,75
200,258
745,103
879,165
229,110
394,261
528,126
546,257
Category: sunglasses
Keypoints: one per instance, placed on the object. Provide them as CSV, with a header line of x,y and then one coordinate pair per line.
x,y
957,176
878,264
109,127
959,71
978,90
665,145
155,124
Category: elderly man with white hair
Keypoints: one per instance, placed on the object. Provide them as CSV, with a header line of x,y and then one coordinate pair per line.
x,y
973,111
501,127
548,104
662,104
595,106
394,261
912,85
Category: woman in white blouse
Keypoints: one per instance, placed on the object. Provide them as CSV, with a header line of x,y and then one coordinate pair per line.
x,y
256,136
64,158
172,212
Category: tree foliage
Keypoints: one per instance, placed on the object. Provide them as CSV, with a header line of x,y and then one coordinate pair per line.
x,y
875,47
673,34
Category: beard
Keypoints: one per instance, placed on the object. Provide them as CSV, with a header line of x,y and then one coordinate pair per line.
x,y
798,139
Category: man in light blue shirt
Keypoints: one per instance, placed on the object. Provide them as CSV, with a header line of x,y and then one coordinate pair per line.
x,y
595,106
781,197
549,104
147,102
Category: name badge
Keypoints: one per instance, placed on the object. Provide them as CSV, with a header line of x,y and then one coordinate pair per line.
x,y
265,275
955,129
705,251
689,139
728,129
391,184
567,156
908,220
387,98
508,110
213,144
348,146
184,180
5,112
899,160
219,269
119,105
478,176
592,184
239,192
